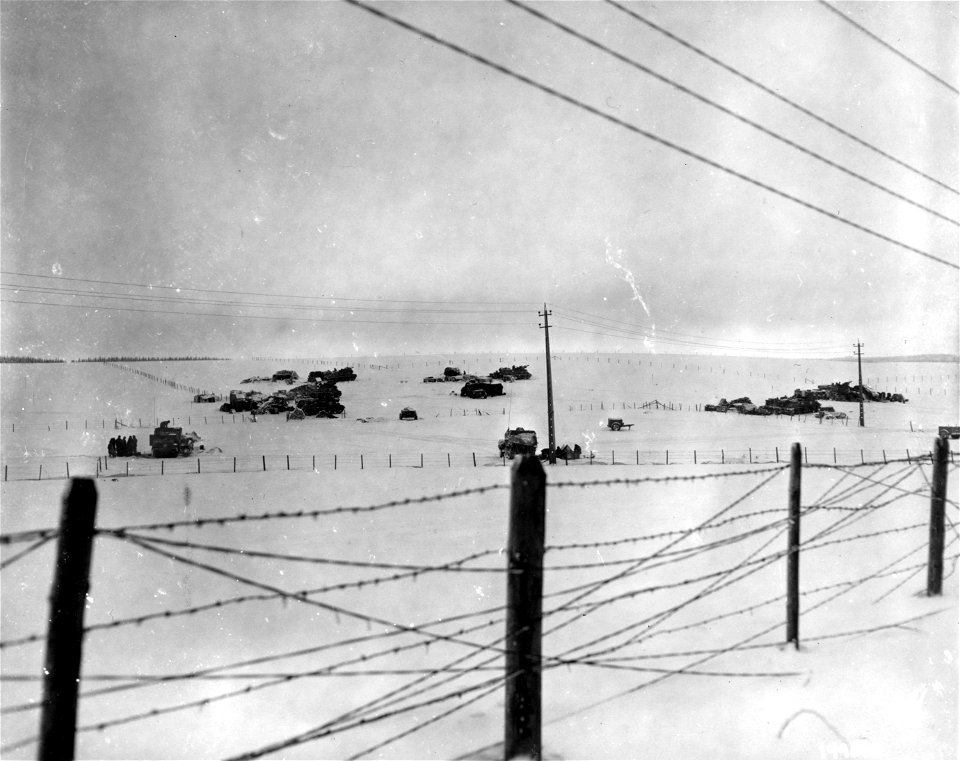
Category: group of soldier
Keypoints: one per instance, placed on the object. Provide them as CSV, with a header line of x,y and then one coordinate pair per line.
x,y
122,447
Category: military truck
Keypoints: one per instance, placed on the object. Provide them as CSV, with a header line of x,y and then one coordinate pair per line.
x,y
481,388
170,442
517,441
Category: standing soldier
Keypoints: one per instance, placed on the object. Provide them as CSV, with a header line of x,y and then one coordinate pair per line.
x,y
112,448
133,446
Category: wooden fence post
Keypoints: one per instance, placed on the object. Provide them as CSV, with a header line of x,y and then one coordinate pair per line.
x,y
61,682
524,609
793,550
938,498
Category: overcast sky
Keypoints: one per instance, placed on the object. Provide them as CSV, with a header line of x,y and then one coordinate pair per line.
x,y
258,151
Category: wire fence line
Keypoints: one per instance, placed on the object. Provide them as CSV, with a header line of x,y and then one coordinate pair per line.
x,y
860,492
54,467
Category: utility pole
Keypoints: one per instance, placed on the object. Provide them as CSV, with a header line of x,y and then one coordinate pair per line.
x,y
552,437
860,379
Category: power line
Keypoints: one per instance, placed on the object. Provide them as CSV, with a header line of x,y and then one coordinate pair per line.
x,y
101,307
637,130
730,112
654,335
697,335
178,288
54,291
889,47
636,336
807,112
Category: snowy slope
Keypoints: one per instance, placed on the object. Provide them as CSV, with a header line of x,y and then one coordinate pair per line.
x,y
670,644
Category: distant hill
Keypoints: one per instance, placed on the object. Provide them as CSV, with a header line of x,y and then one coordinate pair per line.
x,y
953,358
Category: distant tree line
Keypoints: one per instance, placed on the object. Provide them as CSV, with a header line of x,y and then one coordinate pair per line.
x,y
9,358
150,359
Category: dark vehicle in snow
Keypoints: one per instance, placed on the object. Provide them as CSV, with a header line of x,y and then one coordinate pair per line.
x,y
170,442
481,389
517,441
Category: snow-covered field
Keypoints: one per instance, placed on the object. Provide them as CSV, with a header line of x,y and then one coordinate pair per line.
x,y
664,583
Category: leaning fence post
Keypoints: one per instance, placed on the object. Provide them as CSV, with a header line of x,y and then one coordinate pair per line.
x,y
524,609
793,550
61,682
938,498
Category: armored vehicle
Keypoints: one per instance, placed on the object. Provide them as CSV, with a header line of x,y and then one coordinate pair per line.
x,y
517,441
169,442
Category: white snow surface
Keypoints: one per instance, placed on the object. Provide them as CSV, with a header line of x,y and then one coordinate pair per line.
x,y
664,611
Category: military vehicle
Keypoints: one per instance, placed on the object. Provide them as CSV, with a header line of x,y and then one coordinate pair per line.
x,y
516,372
517,441
170,442
320,376
408,413
481,388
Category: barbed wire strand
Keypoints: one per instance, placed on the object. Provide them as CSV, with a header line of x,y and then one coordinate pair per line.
x,y
740,611
918,571
316,734
452,566
367,752
715,586
471,654
283,514
674,555
29,535
336,609
635,567
23,553
717,583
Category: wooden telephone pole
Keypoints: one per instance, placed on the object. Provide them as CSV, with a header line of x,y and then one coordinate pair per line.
x,y
550,428
859,346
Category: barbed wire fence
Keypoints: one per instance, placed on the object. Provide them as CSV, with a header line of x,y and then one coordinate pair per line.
x,y
53,467
605,601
